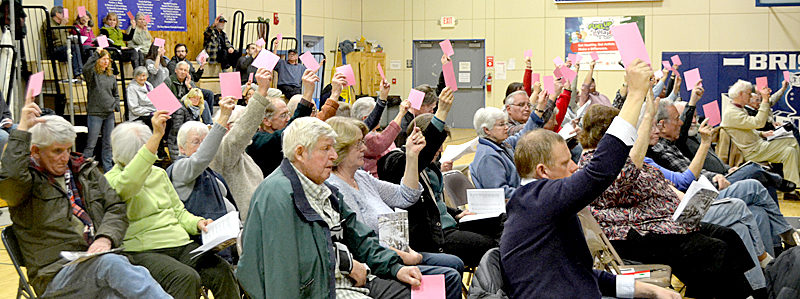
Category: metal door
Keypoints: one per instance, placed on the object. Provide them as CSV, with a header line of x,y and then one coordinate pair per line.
x,y
316,44
469,68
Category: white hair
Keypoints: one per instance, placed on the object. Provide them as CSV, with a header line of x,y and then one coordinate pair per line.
x,y
191,127
510,98
362,108
738,88
52,129
182,63
127,139
235,114
306,132
663,109
486,118
292,104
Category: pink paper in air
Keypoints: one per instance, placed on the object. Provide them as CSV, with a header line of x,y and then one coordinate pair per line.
x,y
164,99
761,82
575,58
309,61
630,44
380,70
81,11
676,60
102,41
415,98
35,84
558,61
528,53
449,76
250,78
347,71
230,84
266,60
548,84
202,56
691,77
787,76
711,111
557,72
66,14
595,57
158,42
568,73
147,19
447,47
536,78
279,38
431,287
260,42
666,65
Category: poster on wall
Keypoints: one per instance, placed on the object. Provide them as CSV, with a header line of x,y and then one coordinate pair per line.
x,y
165,15
720,70
584,35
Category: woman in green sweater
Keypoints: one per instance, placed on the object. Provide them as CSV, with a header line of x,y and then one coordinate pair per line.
x,y
159,224
117,38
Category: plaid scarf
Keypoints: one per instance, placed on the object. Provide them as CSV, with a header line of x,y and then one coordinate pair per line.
x,y
74,194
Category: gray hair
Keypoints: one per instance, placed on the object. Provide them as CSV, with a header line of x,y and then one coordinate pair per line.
x,y
663,109
182,63
127,139
510,98
138,71
343,110
362,108
52,129
738,88
139,15
306,132
292,104
486,118
235,114
191,127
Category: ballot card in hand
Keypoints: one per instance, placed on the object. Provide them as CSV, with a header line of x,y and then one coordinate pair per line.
x,y
696,202
393,229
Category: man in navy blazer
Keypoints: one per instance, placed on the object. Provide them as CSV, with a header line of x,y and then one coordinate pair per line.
x,y
543,250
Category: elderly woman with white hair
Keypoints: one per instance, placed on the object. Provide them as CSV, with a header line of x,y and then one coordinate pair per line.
x,y
139,105
493,165
158,234
302,226
192,108
742,129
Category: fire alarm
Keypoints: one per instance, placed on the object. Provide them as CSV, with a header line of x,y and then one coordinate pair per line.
x,y
275,19
394,80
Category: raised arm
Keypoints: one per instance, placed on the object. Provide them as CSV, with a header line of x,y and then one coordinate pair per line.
x,y
378,144
699,159
640,146
15,177
130,180
374,117
689,111
527,77
434,133
773,99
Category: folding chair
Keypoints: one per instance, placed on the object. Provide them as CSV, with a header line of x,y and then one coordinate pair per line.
x,y
12,247
606,258
455,187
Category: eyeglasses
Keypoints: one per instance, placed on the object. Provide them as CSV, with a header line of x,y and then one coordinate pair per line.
x,y
523,105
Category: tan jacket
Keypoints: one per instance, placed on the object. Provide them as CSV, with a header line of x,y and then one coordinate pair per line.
x,y
742,127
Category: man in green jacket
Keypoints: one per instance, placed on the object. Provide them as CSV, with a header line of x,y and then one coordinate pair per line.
x,y
302,241
60,202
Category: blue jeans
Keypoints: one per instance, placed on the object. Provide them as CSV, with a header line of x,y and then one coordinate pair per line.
x,y
447,264
754,171
4,136
105,276
766,212
77,63
97,123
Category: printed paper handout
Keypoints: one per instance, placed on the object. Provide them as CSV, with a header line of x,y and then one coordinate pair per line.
x,y
75,257
696,202
221,233
393,229
455,151
485,203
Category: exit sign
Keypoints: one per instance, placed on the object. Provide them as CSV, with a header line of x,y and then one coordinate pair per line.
x,y
448,22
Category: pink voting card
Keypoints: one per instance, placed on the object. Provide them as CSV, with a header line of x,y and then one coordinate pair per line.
x,y
230,84
158,42
761,82
666,65
630,44
147,19
575,58
35,84
164,99
202,56
250,77
347,71
676,60
102,41
557,72
449,76
266,60
692,77
380,70
130,15
558,61
536,78
260,42
66,14
415,98
568,73
547,83
81,11
279,38
431,287
595,57
711,111
787,76
528,53
309,61
447,47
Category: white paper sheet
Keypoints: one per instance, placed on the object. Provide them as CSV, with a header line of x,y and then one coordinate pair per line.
x,y
455,151
696,201
780,133
221,233
485,203
75,257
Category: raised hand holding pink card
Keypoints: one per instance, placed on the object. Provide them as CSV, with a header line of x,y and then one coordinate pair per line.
x,y
548,84
787,76
159,42
65,13
260,42
692,77
147,19
163,99
528,53
595,57
666,65
449,76
630,44
761,82
447,48
81,11
279,38
230,85
415,98
102,41
711,111
380,70
309,61
536,78
347,71
35,84
558,61
676,60
266,60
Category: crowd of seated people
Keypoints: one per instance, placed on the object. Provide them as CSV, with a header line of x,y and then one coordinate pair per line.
x,y
311,184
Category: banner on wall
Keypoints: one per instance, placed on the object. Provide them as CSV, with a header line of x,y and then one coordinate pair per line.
x,y
165,15
584,35
720,70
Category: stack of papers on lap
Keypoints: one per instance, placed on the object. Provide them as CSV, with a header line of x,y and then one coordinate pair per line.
x,y
696,202
780,133
485,203
75,257
221,234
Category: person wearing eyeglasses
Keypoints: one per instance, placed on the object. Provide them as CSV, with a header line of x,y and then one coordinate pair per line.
x,y
518,109
192,109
